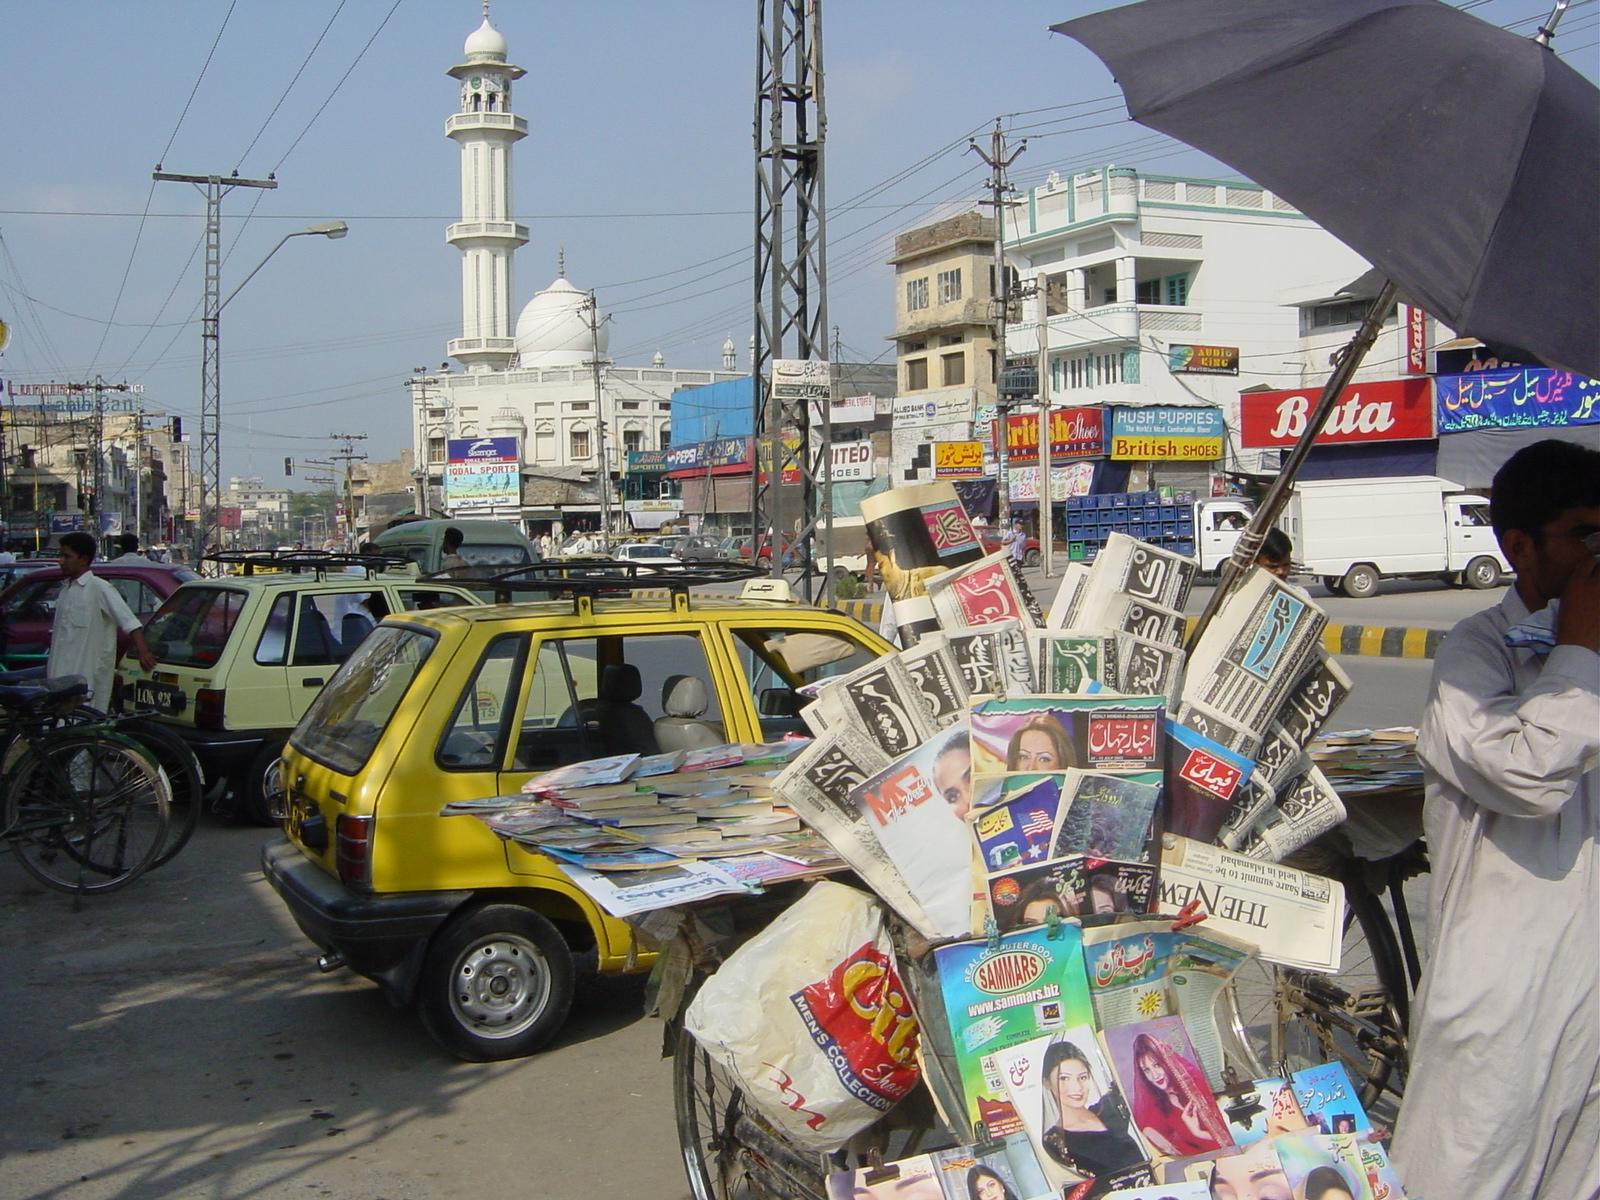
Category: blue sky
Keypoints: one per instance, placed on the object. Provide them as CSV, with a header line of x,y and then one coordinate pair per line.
x,y
638,162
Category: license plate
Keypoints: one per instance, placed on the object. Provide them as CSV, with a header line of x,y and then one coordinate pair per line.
x,y
162,697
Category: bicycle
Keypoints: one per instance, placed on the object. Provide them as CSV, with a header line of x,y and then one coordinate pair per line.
x,y
83,807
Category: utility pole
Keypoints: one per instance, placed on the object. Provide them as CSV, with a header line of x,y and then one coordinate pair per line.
x,y
997,160
348,457
215,188
592,307
1046,457
791,274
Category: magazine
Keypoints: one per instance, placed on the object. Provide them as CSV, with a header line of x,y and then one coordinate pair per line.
x,y
1053,733
1027,985
1076,1117
1075,886
1256,1171
914,533
1201,780
916,807
1173,1110
961,1172
1295,918
591,773
1108,816
1328,1101
1127,965
1263,1110
1338,1165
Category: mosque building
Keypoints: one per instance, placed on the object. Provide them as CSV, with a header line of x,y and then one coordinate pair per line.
x,y
528,398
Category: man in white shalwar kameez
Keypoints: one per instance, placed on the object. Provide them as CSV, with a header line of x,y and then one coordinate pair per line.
x,y
1503,1099
89,613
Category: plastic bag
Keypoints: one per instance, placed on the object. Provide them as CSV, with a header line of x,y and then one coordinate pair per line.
x,y
812,1019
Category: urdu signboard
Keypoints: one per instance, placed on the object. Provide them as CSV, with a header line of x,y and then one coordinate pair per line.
x,y
482,473
1521,398
958,460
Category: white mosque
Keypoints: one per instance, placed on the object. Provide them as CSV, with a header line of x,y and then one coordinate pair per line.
x,y
536,381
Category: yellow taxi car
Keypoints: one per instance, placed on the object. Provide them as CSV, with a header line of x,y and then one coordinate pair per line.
x,y
451,705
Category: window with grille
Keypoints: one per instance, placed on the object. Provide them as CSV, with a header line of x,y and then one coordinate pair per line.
x,y
916,294
949,286
580,443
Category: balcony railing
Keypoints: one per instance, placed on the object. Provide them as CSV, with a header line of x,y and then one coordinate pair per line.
x,y
463,122
489,229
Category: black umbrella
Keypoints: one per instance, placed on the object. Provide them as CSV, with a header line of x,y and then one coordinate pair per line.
x,y
1460,160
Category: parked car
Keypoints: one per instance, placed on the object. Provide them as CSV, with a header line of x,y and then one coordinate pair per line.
x,y
12,571
241,658
28,606
695,548
648,555
794,553
433,707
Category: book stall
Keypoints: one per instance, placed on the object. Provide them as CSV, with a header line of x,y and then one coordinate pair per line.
x,y
1052,840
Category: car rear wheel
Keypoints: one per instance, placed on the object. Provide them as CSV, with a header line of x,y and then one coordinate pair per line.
x,y
497,983
258,792
1031,559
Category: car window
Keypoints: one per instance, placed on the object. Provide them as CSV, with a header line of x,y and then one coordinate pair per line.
x,y
475,738
191,628
34,601
136,594
272,650
332,624
421,599
777,662
344,723
567,718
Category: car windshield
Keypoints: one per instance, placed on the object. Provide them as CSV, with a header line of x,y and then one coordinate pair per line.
x,y
342,727
494,554
191,629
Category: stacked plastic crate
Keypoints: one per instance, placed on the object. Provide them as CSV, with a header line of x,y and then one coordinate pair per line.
x,y
1166,521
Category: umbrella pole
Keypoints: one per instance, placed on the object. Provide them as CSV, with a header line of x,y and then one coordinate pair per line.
x,y
1277,497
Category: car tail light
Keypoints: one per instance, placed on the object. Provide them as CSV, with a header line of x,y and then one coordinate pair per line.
x,y
353,850
208,708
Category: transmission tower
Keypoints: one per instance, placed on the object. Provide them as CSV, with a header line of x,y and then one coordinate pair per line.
x,y
790,260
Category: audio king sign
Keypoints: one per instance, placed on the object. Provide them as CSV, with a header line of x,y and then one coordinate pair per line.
x,y
1391,410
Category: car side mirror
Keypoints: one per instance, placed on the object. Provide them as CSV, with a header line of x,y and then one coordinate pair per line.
x,y
779,702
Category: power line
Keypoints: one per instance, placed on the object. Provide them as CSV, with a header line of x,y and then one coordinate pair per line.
x,y
353,64
296,79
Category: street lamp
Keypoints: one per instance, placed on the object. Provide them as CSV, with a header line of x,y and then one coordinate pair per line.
x,y
211,386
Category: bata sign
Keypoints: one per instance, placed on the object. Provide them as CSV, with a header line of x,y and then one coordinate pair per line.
x,y
1392,410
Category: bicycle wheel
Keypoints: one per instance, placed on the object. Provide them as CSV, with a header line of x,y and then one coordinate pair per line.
x,y
1289,1019
184,776
86,812
728,1152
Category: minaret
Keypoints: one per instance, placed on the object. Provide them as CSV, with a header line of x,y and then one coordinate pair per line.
x,y
487,237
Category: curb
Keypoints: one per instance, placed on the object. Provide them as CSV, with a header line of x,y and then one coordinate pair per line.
x,y
1350,641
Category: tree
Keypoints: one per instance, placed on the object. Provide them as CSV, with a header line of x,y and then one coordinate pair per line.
x,y
315,510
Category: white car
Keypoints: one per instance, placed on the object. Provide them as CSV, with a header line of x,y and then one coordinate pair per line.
x,y
648,555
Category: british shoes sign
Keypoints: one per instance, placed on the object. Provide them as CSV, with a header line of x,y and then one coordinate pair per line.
x,y
1391,410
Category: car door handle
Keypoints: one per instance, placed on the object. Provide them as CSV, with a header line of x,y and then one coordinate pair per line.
x,y
311,683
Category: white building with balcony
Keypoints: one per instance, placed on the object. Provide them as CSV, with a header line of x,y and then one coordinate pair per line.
x,y
1128,266
534,379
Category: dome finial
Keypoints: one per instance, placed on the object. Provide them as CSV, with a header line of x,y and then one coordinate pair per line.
x,y
561,254
485,10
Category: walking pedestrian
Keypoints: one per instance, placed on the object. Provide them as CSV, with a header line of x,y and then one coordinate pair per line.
x,y
89,613
1503,1098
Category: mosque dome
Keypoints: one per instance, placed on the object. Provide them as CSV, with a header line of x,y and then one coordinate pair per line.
x,y
553,328
485,43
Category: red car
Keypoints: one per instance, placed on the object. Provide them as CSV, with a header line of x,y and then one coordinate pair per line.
x,y
989,539
28,606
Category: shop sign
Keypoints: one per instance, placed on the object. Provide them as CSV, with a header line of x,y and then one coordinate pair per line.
x,y
1416,340
1188,434
719,453
791,458
647,462
946,406
846,410
482,473
958,460
65,522
230,517
1520,398
661,506
852,461
1391,410
1069,479
1203,360
1074,433
801,380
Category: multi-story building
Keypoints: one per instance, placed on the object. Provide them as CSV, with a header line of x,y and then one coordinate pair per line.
x,y
944,324
544,381
263,511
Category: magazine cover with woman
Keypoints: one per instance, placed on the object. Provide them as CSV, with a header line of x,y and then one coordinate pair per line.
x,y
1075,1116
1172,1105
1054,733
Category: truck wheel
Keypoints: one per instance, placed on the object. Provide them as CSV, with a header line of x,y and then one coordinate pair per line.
x,y
497,983
1031,559
1359,582
1482,572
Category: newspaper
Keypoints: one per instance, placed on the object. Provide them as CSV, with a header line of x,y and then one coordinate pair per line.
x,y
818,786
932,670
1145,667
1220,729
978,659
1128,567
1068,661
1142,618
1262,641
626,893
914,533
1016,658
978,593
1251,804
1063,607
1281,757
879,700
1313,698
1308,808
1296,919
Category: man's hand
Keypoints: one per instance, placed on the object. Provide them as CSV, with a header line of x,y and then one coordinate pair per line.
x,y
1579,621
147,660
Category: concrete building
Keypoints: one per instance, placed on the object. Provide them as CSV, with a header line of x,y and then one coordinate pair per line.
x,y
1161,291
944,286
263,511
545,380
